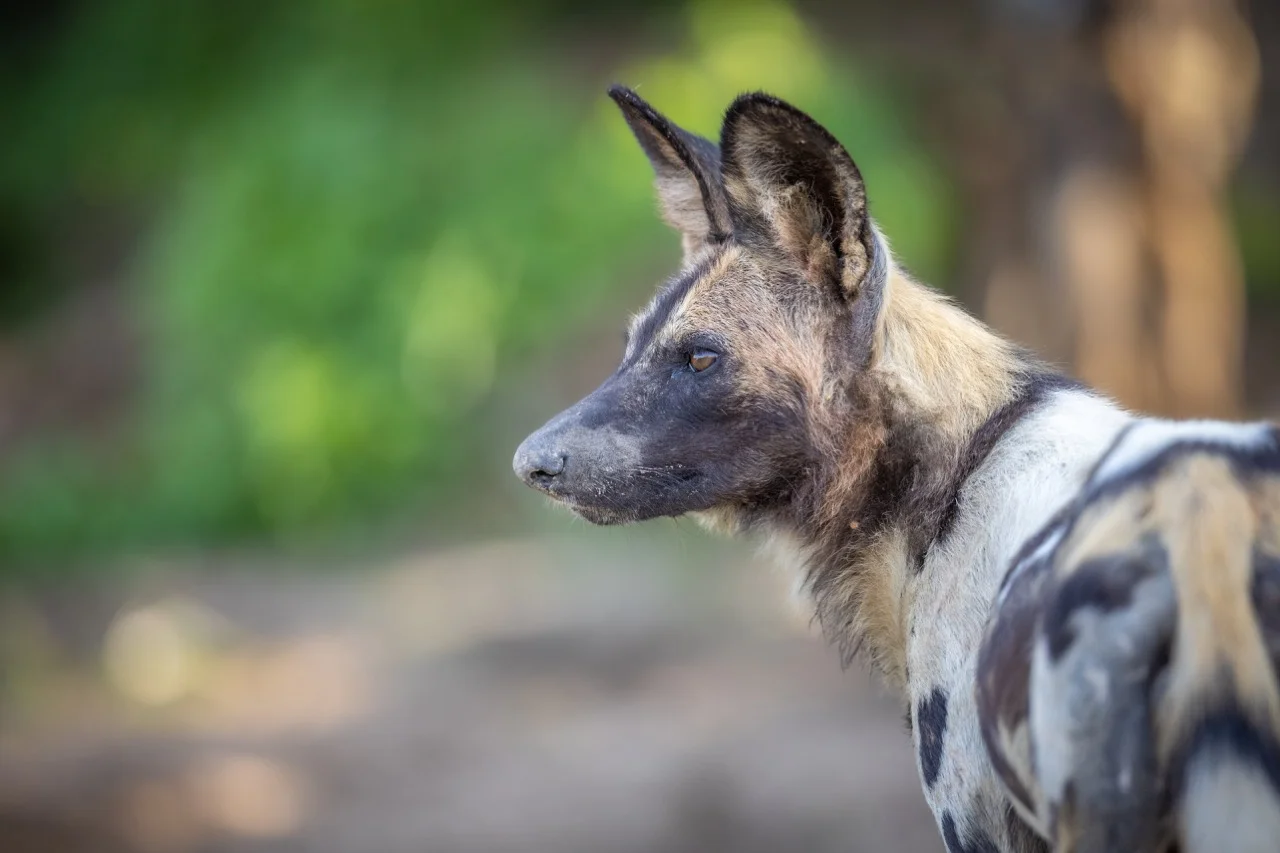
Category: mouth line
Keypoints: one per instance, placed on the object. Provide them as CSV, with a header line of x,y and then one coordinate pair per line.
x,y
593,514
607,512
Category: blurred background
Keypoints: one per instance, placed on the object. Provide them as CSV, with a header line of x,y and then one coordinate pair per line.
x,y
283,285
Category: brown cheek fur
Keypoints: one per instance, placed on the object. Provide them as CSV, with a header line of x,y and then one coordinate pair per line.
x,y
885,441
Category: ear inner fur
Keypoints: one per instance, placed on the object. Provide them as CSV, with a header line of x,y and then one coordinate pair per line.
x,y
786,175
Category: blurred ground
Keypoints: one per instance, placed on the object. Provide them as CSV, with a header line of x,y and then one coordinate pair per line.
x,y
556,695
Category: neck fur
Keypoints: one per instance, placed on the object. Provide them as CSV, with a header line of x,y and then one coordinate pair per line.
x,y
891,457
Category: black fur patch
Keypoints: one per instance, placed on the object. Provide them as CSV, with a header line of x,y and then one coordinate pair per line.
x,y
977,842
870,300
695,157
1266,601
1036,388
931,722
1230,731
1247,462
1004,659
901,489
1105,584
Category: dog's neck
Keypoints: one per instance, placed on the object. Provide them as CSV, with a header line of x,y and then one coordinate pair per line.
x,y
890,461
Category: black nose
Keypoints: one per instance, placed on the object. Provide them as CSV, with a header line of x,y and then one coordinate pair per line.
x,y
537,464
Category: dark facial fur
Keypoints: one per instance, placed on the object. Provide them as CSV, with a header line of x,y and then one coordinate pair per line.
x,y
847,406
771,287
809,422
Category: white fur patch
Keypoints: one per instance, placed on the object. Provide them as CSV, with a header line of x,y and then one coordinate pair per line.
x,y
1150,437
1229,804
1031,473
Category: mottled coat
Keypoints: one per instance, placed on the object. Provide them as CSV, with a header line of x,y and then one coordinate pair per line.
x,y
1081,607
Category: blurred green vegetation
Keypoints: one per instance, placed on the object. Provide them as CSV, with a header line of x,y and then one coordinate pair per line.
x,y
353,218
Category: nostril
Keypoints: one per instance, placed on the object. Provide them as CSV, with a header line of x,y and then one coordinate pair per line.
x,y
538,462
548,468
539,469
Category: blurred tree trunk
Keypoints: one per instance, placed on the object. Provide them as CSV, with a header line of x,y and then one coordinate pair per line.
x,y
1093,141
1129,265
1187,73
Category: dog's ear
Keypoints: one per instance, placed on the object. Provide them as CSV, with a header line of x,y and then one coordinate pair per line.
x,y
687,171
792,185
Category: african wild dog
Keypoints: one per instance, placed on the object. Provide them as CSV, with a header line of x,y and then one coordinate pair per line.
x,y
1081,607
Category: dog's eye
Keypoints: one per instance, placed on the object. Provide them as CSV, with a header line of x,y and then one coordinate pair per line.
x,y
701,360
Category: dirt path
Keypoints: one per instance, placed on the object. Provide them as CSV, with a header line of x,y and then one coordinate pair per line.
x,y
521,696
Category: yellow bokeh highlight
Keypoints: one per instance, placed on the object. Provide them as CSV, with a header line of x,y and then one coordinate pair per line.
x,y
156,654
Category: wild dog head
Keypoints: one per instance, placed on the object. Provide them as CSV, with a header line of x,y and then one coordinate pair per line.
x,y
736,375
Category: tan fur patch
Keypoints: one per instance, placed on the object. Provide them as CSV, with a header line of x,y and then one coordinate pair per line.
x,y
953,369
1265,499
680,203
1107,527
1209,525
876,601
1208,521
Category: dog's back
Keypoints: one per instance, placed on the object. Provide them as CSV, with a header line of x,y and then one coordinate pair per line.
x,y
1127,686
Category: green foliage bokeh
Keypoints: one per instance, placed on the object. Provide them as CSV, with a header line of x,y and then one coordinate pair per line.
x,y
359,215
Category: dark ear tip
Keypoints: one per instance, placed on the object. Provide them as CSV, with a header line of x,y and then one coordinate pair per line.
x,y
620,92
627,98
770,115
760,104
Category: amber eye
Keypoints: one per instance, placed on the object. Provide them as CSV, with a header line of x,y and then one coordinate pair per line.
x,y
701,360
